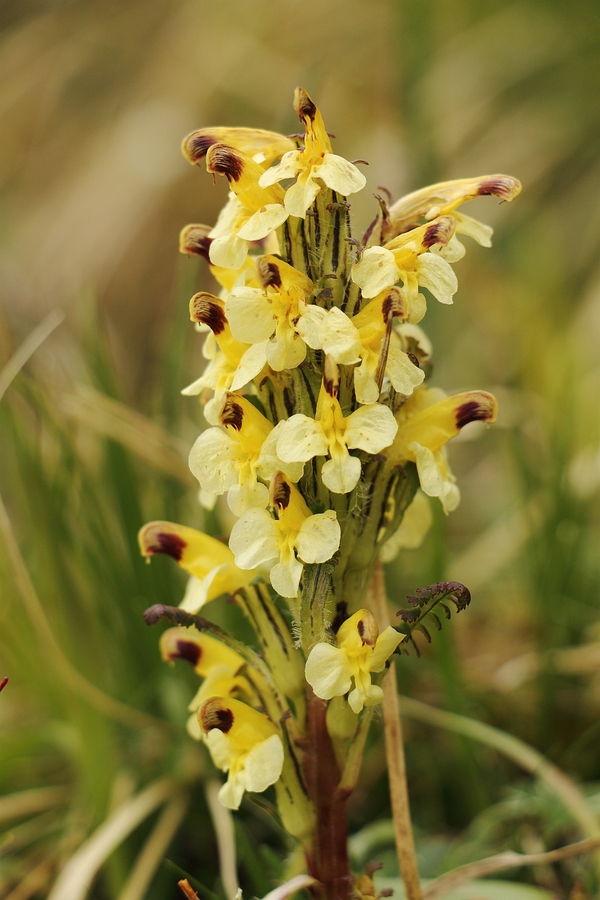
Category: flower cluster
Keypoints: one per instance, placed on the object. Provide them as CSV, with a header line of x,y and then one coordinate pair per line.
x,y
324,437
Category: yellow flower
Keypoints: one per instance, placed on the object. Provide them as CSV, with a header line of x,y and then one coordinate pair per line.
x,y
202,651
426,423
233,363
244,743
210,563
215,662
252,211
285,543
270,316
235,458
370,428
314,165
360,651
361,340
442,199
263,146
405,259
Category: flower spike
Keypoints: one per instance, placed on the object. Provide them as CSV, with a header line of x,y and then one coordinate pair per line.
x,y
328,445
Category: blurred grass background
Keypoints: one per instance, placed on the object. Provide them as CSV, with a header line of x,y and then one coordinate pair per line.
x,y
94,102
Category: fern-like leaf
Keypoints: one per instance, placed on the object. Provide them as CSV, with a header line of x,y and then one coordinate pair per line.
x,y
422,607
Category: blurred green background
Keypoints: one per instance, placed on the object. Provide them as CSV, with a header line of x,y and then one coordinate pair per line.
x,y
94,102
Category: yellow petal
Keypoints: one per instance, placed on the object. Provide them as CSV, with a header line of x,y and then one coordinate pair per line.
x,y
444,197
376,271
244,726
340,175
203,652
195,552
435,425
357,631
243,174
251,141
327,671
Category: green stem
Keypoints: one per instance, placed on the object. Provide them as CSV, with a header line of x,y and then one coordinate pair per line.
x,y
349,778
316,592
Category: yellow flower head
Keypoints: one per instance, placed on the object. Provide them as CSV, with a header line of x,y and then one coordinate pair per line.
x,y
406,259
242,742
426,424
216,663
370,428
252,212
315,165
360,651
443,198
232,366
270,316
284,543
210,563
263,146
232,458
202,651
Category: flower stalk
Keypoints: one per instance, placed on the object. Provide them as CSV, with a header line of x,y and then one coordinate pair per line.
x,y
394,752
325,441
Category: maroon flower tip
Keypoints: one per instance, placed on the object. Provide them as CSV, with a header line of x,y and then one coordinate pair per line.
x,y
187,650
225,161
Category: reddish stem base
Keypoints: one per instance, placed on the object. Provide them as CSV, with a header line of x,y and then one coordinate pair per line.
x,y
328,862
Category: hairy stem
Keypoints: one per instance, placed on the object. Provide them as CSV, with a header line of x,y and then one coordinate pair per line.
x,y
328,862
